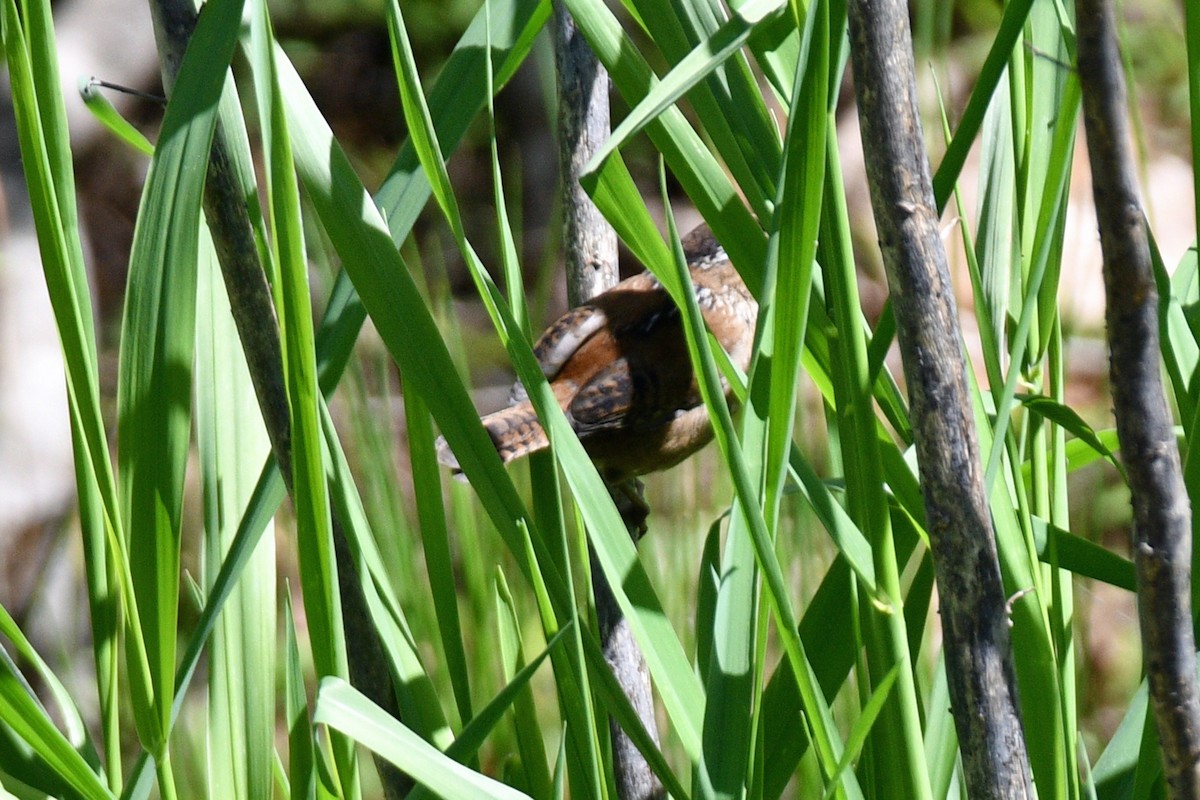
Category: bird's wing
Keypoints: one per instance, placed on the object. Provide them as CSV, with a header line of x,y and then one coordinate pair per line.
x,y
633,395
609,400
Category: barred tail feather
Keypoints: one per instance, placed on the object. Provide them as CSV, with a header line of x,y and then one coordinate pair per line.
x,y
515,432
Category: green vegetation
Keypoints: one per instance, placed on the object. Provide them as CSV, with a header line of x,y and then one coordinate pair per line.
x,y
784,597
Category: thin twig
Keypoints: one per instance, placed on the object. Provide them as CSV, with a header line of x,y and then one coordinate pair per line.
x,y
975,625
1161,512
127,90
591,258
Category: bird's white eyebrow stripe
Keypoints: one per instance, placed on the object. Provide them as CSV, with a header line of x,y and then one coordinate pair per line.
x,y
570,340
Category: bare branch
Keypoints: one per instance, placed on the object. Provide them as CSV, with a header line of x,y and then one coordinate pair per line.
x,y
1161,511
584,126
978,657
591,263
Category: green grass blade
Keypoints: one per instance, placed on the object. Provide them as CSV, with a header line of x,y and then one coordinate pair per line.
x,y
1079,453
823,628
941,738
289,280
1049,213
65,708
866,721
1069,420
302,771
154,382
109,117
318,569
824,735
708,586
846,535
1177,322
1120,770
1049,105
44,140
503,28
797,223
730,666
693,68
23,714
1011,25
477,730
417,698
1081,557
230,437
435,537
767,426
776,49
43,58
468,743
992,256
268,493
735,114
344,709
530,740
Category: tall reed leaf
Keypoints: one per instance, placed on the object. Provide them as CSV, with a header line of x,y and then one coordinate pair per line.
x,y
154,384
693,68
44,139
344,709
729,100
231,441
52,763
289,272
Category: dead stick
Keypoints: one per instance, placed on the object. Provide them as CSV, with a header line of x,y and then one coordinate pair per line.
x,y
974,619
1161,513
591,258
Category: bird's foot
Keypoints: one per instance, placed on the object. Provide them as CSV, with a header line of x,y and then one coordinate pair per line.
x,y
628,494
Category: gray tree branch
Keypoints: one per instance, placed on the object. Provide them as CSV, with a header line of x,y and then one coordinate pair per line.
x,y
591,265
974,619
1161,511
583,127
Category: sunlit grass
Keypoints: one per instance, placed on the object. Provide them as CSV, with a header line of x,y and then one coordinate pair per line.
x,y
790,518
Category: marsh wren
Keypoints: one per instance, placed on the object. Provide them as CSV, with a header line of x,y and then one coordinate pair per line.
x,y
619,367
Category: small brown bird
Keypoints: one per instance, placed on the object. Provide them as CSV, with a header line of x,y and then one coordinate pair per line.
x,y
620,370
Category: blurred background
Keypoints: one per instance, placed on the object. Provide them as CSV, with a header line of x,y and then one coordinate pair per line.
x,y
341,49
